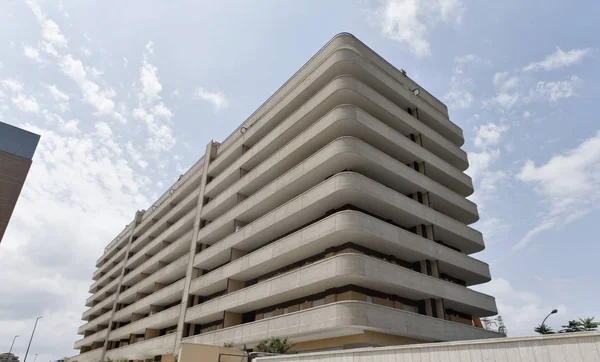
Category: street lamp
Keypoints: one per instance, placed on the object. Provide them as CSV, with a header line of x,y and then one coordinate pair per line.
x,y
554,311
35,357
30,339
11,345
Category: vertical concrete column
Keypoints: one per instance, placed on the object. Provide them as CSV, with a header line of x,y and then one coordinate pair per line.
x,y
136,221
234,285
231,319
211,153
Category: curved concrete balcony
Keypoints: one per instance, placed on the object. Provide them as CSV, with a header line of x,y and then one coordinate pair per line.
x,y
338,271
331,61
340,319
160,320
187,205
344,91
344,153
106,303
102,319
174,232
111,264
91,356
143,350
164,296
99,295
335,192
100,283
166,275
119,241
87,341
335,230
166,254
182,188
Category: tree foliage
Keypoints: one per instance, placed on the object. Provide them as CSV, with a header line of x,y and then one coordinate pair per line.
x,y
572,326
543,329
588,324
581,325
274,345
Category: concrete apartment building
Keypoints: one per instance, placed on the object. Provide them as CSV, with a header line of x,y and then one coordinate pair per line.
x,y
17,147
335,215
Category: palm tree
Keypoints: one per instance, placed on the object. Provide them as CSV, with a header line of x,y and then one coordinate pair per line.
x,y
573,326
588,324
543,329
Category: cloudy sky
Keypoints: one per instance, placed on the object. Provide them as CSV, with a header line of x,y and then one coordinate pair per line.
x,y
126,95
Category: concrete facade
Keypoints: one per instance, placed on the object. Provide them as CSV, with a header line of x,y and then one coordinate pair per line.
x,y
336,216
17,147
567,347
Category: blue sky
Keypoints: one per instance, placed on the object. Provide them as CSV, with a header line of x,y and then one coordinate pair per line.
x,y
126,95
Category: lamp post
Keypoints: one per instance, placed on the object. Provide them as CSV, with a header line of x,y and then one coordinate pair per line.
x,y
30,339
34,358
554,311
11,345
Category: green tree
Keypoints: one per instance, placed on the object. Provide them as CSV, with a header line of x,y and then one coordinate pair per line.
x,y
274,345
543,329
573,326
588,324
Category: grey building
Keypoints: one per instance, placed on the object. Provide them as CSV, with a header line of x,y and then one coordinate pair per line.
x,y
335,215
16,151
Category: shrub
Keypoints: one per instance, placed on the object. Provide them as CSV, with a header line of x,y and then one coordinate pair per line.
x,y
274,345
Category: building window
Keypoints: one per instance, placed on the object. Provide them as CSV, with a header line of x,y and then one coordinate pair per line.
x,y
369,299
285,310
318,302
268,314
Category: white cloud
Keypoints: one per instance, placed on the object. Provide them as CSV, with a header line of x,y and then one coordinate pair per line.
x,y
32,53
26,103
492,228
155,114
125,62
11,84
51,33
86,51
150,47
521,310
60,97
489,134
504,81
71,126
150,84
57,94
467,59
79,195
569,184
504,100
136,156
100,99
554,91
160,135
409,21
218,99
526,114
160,110
103,130
479,162
457,98
487,187
559,59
